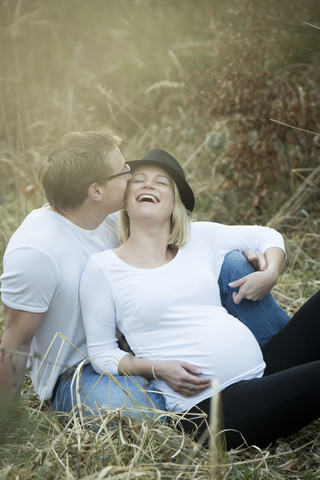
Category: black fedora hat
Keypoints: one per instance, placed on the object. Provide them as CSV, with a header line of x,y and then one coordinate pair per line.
x,y
164,160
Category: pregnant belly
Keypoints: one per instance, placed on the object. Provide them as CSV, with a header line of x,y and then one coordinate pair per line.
x,y
211,339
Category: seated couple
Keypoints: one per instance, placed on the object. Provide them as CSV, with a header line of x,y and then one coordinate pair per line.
x,y
167,302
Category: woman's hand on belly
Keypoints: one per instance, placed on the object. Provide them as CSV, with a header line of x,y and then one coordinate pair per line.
x,y
182,377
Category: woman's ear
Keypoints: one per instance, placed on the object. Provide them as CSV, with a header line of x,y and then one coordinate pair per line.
x,y
94,192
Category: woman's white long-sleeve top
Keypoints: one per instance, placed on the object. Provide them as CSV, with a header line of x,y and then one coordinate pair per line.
x,y
174,311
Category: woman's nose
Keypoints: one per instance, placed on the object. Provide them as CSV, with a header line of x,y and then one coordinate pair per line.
x,y
149,183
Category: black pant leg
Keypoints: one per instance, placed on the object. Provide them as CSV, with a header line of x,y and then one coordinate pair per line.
x,y
274,406
261,410
298,342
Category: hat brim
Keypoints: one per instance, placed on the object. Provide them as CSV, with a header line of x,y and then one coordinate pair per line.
x,y
186,193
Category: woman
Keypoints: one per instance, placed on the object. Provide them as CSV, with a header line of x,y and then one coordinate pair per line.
x,y
160,288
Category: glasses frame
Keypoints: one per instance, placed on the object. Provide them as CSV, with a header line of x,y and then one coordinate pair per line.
x,y
115,175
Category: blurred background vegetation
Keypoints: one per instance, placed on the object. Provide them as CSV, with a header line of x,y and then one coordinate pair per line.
x,y
231,88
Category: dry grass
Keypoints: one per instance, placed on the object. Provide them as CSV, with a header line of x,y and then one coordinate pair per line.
x,y
41,444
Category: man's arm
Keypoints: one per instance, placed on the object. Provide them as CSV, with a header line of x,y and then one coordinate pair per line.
x,y
256,259
20,328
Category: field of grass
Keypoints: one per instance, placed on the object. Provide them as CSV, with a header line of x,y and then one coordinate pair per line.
x,y
229,88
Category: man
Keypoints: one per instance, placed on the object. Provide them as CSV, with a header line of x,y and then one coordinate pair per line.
x,y
84,178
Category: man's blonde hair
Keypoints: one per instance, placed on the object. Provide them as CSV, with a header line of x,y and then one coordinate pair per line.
x,y
78,160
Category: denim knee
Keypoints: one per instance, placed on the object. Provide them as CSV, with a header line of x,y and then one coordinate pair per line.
x,y
234,266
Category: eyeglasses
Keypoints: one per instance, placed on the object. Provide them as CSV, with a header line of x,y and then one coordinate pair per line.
x,y
126,170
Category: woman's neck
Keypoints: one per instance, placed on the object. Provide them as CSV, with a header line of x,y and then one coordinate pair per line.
x,y
146,249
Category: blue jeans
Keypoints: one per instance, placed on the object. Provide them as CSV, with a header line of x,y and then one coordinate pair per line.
x,y
134,395
88,391
264,318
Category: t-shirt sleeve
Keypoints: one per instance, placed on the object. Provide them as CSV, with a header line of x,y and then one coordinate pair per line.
x,y
240,237
99,319
29,279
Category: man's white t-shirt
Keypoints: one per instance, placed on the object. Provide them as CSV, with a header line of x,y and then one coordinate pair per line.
x,y
42,267
174,311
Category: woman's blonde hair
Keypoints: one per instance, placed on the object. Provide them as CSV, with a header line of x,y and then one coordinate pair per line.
x,y
180,223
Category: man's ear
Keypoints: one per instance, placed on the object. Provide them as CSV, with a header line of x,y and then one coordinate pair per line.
x,y
94,192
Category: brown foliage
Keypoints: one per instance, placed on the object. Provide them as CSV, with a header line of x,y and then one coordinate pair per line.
x,y
251,81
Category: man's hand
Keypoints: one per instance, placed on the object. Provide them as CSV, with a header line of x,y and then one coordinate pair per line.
x,y
182,377
256,259
14,348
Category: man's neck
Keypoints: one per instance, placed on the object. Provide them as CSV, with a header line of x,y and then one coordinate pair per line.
x,y
81,216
